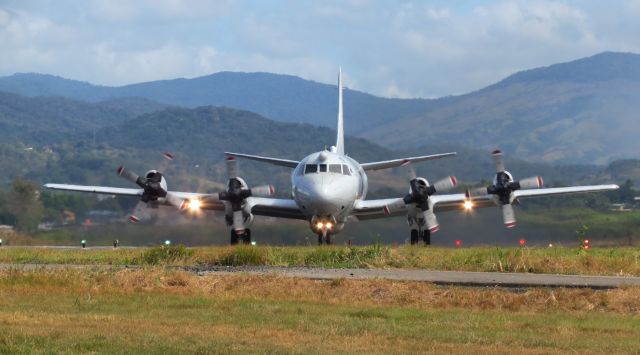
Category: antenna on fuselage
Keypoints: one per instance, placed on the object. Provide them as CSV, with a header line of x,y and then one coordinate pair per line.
x,y
340,129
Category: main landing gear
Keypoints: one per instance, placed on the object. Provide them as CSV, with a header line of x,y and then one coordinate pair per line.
x,y
245,237
416,235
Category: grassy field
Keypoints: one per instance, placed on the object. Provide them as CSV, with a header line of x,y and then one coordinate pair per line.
x,y
153,310
595,261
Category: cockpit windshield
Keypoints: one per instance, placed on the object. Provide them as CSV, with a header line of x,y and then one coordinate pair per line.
x,y
327,168
310,168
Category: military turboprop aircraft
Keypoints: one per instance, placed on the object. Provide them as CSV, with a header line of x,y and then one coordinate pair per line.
x,y
329,187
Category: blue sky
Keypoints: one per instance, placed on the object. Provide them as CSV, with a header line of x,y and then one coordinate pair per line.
x,y
388,48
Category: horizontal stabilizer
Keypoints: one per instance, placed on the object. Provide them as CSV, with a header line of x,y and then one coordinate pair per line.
x,y
387,164
273,161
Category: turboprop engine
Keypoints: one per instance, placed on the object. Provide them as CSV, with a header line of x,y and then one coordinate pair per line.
x,y
503,188
420,207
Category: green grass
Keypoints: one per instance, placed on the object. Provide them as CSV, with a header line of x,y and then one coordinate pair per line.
x,y
596,261
155,311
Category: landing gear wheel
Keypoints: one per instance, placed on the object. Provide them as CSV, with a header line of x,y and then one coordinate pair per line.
x,y
234,237
415,236
326,239
246,238
426,237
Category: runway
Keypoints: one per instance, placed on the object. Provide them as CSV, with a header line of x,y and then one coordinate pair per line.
x,y
460,278
453,278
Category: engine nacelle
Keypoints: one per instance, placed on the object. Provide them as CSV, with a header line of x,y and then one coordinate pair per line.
x,y
157,186
237,183
507,176
422,182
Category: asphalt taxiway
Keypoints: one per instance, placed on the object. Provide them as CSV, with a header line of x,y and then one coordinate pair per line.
x,y
455,278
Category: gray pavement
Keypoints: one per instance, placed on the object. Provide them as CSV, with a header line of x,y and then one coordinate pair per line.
x,y
460,278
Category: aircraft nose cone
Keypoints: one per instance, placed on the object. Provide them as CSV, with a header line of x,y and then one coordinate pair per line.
x,y
323,199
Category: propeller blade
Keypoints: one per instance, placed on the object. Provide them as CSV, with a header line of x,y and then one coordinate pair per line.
x,y
167,155
263,191
129,175
446,184
508,215
135,216
431,220
232,167
497,160
164,166
478,191
395,206
175,201
411,172
238,222
531,183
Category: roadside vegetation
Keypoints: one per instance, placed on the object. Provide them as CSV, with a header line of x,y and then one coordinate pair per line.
x,y
595,261
155,310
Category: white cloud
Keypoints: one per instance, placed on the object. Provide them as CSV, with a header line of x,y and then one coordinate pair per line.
x,y
144,10
438,14
399,49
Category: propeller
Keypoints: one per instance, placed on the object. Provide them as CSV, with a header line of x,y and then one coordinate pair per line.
x,y
503,188
154,189
236,194
419,195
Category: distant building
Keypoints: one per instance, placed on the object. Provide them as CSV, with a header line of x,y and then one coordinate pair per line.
x,y
619,207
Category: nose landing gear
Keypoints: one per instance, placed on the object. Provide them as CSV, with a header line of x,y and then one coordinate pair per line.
x,y
324,237
244,237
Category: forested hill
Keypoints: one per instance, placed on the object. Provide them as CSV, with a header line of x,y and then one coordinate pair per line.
x,y
583,111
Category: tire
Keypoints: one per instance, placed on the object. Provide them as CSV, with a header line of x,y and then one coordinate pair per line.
x,y
328,239
246,238
426,237
414,236
234,237
319,239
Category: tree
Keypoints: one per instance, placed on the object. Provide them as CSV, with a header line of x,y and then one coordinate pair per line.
x,y
25,205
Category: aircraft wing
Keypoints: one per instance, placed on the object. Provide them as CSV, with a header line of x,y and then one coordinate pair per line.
x,y
274,161
372,209
96,189
387,164
563,190
275,207
120,191
259,206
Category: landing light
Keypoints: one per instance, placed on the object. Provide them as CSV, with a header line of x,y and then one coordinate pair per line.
x,y
328,225
194,205
320,225
468,205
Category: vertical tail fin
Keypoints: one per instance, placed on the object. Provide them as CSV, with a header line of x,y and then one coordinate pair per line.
x,y
340,129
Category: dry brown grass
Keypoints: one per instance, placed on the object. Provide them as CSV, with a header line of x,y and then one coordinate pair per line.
x,y
156,310
357,292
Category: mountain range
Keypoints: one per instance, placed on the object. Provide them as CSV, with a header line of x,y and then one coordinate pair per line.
x,y
585,111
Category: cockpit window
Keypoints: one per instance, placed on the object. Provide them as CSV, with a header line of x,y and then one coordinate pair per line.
x,y
310,168
322,168
335,168
345,170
